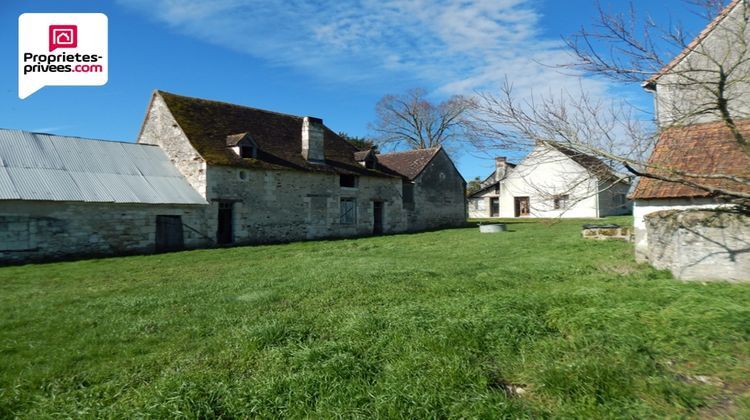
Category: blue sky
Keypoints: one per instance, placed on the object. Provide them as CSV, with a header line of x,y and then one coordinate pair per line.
x,y
332,59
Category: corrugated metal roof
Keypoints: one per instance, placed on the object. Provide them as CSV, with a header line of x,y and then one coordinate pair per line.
x,y
35,166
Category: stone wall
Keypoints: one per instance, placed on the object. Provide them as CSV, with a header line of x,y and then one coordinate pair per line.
x,y
700,244
605,233
44,231
277,206
161,129
439,196
642,208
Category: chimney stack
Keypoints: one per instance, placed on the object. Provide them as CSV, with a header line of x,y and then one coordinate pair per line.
x,y
501,166
312,140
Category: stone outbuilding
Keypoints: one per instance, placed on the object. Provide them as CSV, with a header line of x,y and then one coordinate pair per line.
x,y
271,177
432,187
68,196
699,233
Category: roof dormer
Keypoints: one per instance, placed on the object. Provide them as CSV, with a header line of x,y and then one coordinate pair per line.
x,y
367,158
243,145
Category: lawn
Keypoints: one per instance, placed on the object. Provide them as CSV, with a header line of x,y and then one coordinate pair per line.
x,y
534,322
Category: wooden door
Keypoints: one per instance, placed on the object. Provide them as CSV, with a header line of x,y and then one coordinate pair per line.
x,y
169,235
494,207
224,230
377,215
522,206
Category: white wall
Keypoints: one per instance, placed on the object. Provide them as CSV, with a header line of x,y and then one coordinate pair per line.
x,y
542,175
479,206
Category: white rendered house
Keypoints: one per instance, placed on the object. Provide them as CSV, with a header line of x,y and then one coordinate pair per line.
x,y
551,182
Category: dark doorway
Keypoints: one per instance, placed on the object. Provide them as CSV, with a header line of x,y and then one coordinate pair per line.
x,y
169,233
224,229
522,206
377,217
494,207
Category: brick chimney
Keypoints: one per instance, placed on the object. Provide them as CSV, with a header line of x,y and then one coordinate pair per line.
x,y
312,140
501,167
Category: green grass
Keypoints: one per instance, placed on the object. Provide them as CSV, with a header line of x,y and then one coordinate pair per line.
x,y
441,324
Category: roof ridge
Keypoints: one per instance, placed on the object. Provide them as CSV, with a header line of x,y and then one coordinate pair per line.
x,y
702,35
74,137
580,157
431,149
158,91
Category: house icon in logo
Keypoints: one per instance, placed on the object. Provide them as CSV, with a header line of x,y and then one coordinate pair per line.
x,y
63,36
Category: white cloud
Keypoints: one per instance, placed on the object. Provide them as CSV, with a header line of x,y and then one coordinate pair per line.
x,y
451,46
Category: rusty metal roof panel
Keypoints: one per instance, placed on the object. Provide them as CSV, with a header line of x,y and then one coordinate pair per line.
x,y
36,166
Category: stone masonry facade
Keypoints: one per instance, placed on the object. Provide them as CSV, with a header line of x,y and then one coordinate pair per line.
x,y
439,198
43,231
279,206
700,244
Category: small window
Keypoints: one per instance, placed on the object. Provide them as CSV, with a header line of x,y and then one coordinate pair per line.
x,y
370,163
561,202
247,152
408,193
348,211
618,199
348,181
497,189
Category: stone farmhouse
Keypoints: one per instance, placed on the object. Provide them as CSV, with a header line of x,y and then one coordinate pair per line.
x,y
699,143
551,181
206,173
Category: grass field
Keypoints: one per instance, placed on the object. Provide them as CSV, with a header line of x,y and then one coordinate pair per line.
x,y
532,322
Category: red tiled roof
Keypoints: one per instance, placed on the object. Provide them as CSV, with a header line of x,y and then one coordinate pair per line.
x,y
207,124
695,42
708,149
410,163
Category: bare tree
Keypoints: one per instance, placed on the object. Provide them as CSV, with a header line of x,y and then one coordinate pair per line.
x,y
411,120
706,80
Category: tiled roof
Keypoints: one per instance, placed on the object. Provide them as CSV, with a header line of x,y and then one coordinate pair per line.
x,y
410,163
207,125
592,164
700,149
482,190
695,42
235,139
361,155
